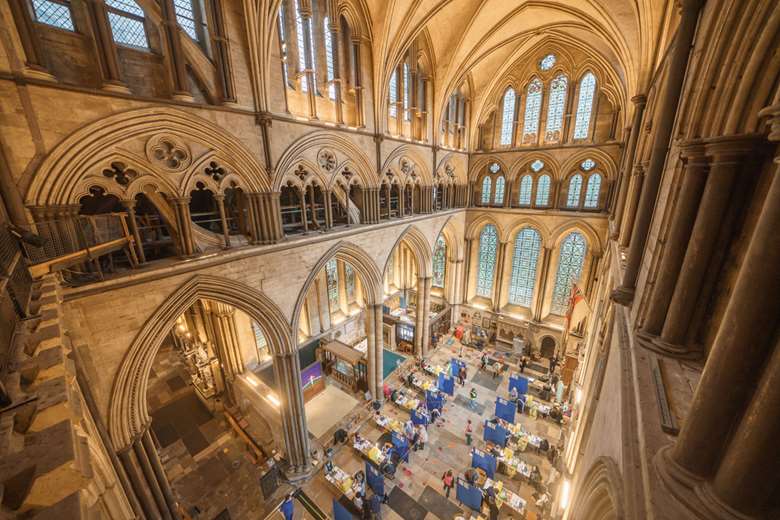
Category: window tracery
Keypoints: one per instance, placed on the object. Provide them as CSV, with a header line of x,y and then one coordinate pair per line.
x,y
488,242
570,262
439,262
584,106
555,108
524,261
127,23
533,109
508,117
526,185
54,13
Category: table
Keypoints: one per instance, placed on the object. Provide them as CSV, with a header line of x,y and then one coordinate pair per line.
x,y
369,450
388,424
342,481
421,385
407,403
504,495
522,436
434,370
509,459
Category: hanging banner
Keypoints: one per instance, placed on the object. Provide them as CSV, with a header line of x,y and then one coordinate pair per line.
x,y
446,384
469,495
485,461
375,479
506,410
519,382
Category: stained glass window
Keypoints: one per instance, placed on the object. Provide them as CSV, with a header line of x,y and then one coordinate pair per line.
x,y
537,165
190,17
499,197
299,40
488,242
575,188
393,109
349,274
543,191
525,190
547,62
592,191
312,58
127,23
526,254
588,164
439,262
584,106
54,14
555,108
494,167
533,109
332,277
570,261
407,88
329,59
508,117
486,188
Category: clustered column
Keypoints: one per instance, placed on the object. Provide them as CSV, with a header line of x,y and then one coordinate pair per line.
x,y
728,444
287,369
423,319
184,226
636,126
147,478
544,268
499,277
265,224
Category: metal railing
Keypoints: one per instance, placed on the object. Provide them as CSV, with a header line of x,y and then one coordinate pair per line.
x,y
14,276
65,236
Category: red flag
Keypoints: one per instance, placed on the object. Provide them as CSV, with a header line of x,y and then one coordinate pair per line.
x,y
578,307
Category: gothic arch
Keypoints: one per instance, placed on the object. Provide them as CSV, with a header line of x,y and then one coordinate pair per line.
x,y
475,228
458,164
523,165
64,170
479,165
310,145
605,164
394,163
128,414
418,243
451,237
533,223
600,494
365,267
591,236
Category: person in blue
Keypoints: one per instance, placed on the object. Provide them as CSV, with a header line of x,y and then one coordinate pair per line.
x,y
287,507
376,507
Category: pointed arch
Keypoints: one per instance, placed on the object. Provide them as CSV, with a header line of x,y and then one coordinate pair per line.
x,y
419,245
128,413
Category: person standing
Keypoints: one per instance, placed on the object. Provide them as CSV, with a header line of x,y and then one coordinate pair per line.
x,y
483,361
496,369
376,507
469,431
287,507
448,480
423,437
473,398
523,363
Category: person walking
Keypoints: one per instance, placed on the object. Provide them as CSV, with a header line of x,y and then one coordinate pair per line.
x,y
523,363
469,431
448,480
287,507
422,436
496,369
483,361
473,398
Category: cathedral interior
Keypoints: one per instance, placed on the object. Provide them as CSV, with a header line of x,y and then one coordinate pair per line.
x,y
440,259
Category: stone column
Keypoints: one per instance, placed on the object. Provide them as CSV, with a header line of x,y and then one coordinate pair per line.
x,y
499,284
159,473
223,321
541,287
426,315
335,39
726,158
151,479
371,347
741,349
636,127
304,216
223,218
141,491
634,192
419,330
129,205
678,64
376,313
269,217
466,268
287,369
25,27
181,90
401,201
359,117
328,209
105,47
253,221
680,226
184,223
746,477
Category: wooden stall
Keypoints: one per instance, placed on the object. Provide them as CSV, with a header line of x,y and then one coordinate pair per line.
x,y
344,364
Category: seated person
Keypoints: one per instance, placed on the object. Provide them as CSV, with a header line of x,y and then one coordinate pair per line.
x,y
358,439
410,379
394,395
435,414
471,476
513,396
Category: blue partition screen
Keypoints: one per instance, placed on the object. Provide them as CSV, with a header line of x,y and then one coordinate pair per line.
x,y
485,461
375,479
419,417
519,382
506,410
496,434
340,512
469,495
446,384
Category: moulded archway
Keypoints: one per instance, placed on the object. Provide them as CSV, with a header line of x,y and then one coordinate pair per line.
x,y
600,494
128,413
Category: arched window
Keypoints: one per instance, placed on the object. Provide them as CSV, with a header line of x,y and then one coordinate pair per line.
x,y
127,23
508,117
533,108
499,196
191,18
332,279
525,190
543,190
53,13
584,106
555,108
407,89
283,44
486,189
592,191
393,95
526,254
439,262
330,67
488,241
349,274
300,38
570,261
575,188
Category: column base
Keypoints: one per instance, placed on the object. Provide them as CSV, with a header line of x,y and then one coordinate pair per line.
x,y
622,296
38,73
184,96
117,87
296,474
654,343
693,493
